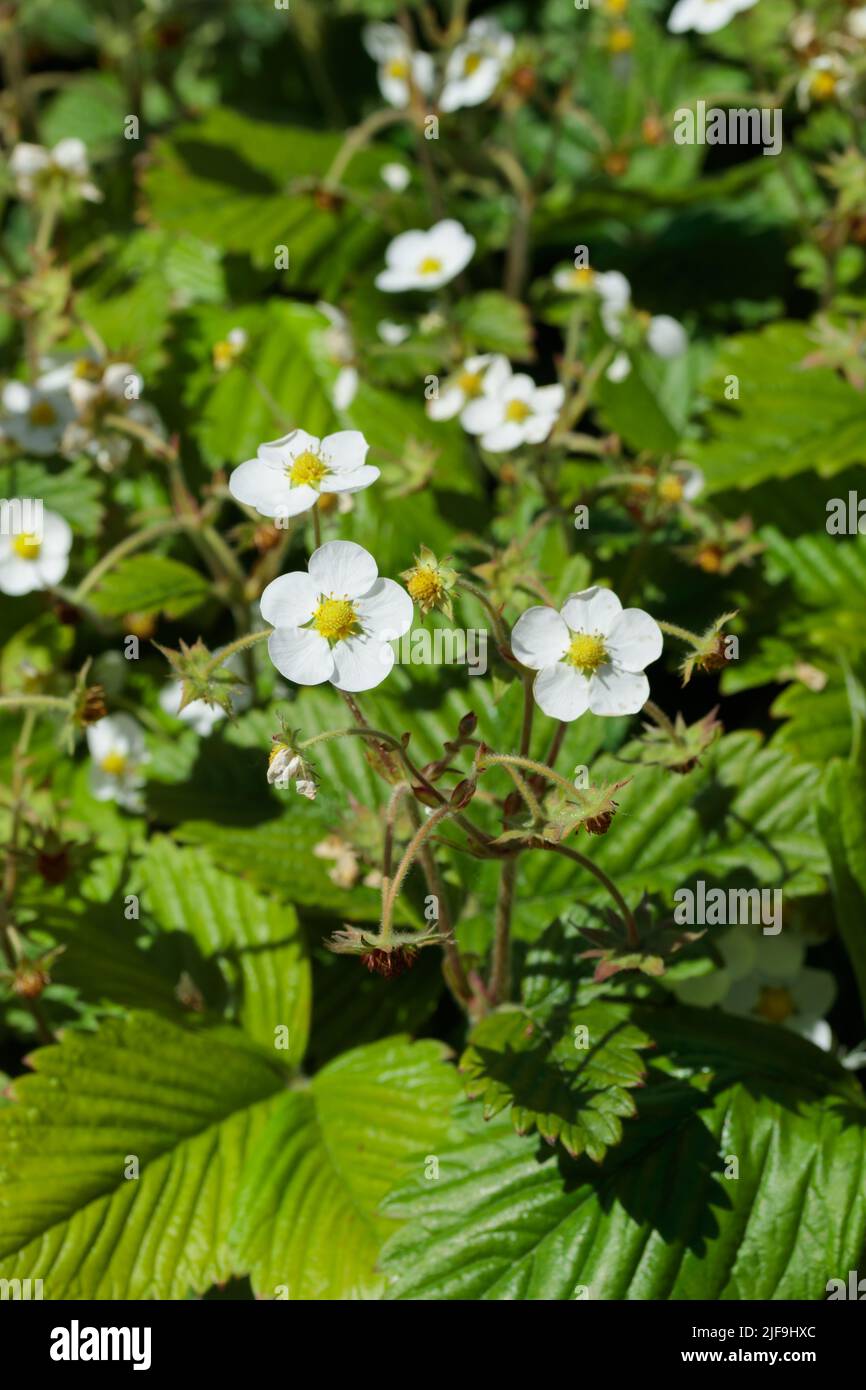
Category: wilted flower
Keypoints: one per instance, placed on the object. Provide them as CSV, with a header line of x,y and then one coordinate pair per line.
x,y
285,765
389,958
430,583
335,622
589,656
29,561
288,474
705,16
346,865
426,260
37,169
118,752
512,410
476,65
399,67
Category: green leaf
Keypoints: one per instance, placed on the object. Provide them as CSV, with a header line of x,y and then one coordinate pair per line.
x,y
789,417
188,1106
510,1220
569,1090
307,1211
151,584
842,823
817,723
491,322
75,493
255,940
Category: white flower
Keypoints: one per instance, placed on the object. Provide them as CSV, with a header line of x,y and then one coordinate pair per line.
x,y
476,65
826,78
856,23
705,16
615,292
288,474
396,176
779,988
392,333
227,351
335,622
35,168
116,745
512,410
589,656
666,336
389,47
571,279
35,416
340,347
30,561
426,260
619,368
465,386
682,483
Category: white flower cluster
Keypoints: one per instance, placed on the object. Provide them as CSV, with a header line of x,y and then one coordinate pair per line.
x,y
472,72
37,170
506,409
64,411
661,333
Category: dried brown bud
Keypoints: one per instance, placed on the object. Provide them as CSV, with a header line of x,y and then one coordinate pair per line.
x,y
29,980
468,724
92,706
463,793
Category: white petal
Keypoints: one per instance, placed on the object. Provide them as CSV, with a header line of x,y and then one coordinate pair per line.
x,y
344,450
817,1030
666,336
355,481
289,601
343,569
345,388
614,289
814,992
301,655
548,400
634,640
592,610
361,664
71,154
620,368
383,41
537,427
561,692
260,485
16,397
481,415
447,405
406,250
56,534
521,388
613,691
504,438
27,159
19,577
52,568
294,501
780,957
386,611
285,450
540,638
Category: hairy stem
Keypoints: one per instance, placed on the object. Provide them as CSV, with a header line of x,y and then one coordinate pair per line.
x,y
500,971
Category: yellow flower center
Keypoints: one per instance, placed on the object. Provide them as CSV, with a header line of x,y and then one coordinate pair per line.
x,y
86,370
517,412
671,489
114,763
307,468
335,619
616,6
425,586
582,277
224,353
42,413
470,383
823,86
429,266
27,546
775,1004
586,652
472,64
620,40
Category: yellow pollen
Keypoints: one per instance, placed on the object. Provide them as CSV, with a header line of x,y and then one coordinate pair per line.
x,y
429,266
671,489
224,353
335,619
425,586
775,1004
27,546
470,383
823,86
586,652
307,468
620,40
42,413
517,412
582,277
114,764
472,64
398,67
